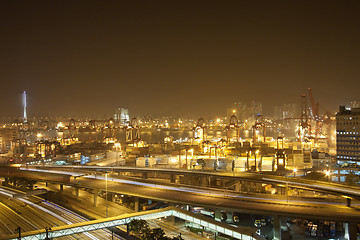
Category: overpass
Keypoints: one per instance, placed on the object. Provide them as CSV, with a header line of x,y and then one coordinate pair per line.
x,y
319,186
217,199
205,222
232,200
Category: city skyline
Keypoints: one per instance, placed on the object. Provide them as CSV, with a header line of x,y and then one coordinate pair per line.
x,y
175,58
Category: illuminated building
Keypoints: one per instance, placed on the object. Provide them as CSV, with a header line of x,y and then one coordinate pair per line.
x,y
122,115
348,135
285,111
24,104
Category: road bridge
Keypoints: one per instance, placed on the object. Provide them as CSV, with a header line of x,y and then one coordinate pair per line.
x,y
320,186
198,196
218,199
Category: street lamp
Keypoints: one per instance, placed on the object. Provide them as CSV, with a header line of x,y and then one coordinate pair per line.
x,y
106,206
295,170
247,160
192,157
327,173
256,153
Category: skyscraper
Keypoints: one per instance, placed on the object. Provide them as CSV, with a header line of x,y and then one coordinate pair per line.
x,y
348,135
122,116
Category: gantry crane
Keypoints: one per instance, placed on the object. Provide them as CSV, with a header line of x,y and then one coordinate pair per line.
x,y
200,129
259,124
233,126
133,131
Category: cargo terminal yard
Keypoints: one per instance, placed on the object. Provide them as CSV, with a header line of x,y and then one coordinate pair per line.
x,y
279,169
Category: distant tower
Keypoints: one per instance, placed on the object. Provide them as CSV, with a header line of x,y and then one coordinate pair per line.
x,y
122,115
24,104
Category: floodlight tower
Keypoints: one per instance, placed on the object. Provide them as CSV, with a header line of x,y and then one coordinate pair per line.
x,y
24,105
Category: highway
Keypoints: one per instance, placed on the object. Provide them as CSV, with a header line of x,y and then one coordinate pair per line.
x,y
225,199
33,213
326,187
217,198
84,205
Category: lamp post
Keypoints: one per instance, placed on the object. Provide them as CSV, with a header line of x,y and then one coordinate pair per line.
x,y
256,153
192,157
247,160
106,206
327,173
18,229
47,233
295,170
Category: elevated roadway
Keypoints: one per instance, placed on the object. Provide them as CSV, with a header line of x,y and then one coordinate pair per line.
x,y
212,198
32,213
320,186
207,223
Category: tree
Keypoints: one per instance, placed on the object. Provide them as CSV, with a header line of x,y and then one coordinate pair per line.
x,y
178,237
318,176
352,179
139,227
157,234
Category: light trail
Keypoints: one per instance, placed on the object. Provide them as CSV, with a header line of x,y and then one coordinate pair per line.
x,y
69,218
331,188
220,193
208,192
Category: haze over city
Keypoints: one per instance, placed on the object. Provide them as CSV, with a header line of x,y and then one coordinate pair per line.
x,y
180,120
183,58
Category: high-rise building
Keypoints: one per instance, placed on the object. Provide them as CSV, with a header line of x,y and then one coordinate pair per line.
x,y
122,116
285,111
255,108
348,135
355,104
245,111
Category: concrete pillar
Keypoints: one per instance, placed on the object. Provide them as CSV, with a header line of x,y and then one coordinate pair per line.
x,y
348,202
96,193
277,227
237,186
112,197
218,183
350,231
258,187
61,187
204,182
218,214
136,204
145,175
222,183
230,215
194,180
212,181
172,178
76,189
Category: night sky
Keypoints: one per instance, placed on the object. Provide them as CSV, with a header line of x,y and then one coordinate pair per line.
x,y
177,58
